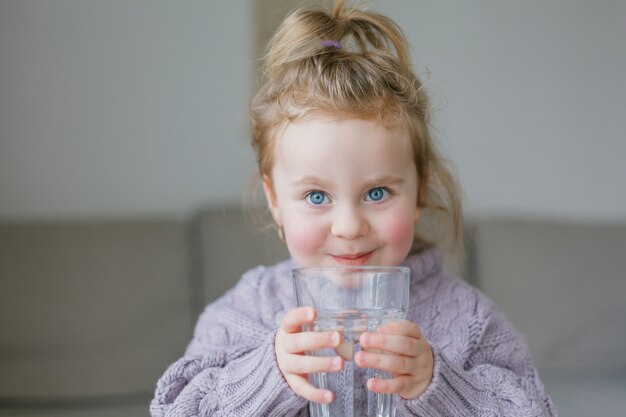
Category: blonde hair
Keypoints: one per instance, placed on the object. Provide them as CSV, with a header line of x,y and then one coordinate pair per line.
x,y
354,63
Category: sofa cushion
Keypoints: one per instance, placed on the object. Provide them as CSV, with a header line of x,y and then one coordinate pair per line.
x,y
90,310
563,285
84,410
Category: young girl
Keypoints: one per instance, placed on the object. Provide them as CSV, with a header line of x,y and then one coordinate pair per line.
x,y
340,128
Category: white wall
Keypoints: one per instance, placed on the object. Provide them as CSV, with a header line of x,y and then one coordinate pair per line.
x,y
124,108
531,99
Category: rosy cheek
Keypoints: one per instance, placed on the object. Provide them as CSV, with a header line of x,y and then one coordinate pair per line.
x,y
303,238
399,231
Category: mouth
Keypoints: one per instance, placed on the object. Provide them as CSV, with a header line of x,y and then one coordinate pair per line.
x,y
353,259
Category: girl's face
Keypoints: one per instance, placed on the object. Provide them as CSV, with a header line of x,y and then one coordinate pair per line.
x,y
345,192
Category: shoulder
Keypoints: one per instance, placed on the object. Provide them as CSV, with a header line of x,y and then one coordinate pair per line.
x,y
246,312
464,322
467,303
433,286
431,282
446,298
264,292
273,280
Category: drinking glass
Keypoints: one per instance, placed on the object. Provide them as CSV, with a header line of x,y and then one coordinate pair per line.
x,y
351,300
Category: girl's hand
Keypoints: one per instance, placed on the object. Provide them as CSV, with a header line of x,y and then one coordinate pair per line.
x,y
411,360
291,343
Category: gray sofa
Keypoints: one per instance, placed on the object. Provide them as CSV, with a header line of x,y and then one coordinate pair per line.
x,y
92,313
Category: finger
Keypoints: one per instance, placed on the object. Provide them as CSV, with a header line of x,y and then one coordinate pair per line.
x,y
301,386
402,345
294,319
301,342
407,386
396,385
301,364
397,364
401,328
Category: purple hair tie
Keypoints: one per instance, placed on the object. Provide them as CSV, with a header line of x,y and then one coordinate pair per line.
x,y
330,42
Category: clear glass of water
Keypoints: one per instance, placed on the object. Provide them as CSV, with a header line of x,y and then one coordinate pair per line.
x,y
351,300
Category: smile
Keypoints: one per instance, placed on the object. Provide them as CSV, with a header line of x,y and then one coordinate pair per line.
x,y
353,259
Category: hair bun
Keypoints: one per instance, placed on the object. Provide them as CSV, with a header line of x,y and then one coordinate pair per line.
x,y
306,33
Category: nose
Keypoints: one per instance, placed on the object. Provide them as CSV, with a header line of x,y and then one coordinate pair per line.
x,y
349,223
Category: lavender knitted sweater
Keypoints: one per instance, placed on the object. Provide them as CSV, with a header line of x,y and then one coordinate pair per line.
x,y
482,365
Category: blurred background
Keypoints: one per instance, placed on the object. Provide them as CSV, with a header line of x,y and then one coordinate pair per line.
x,y
124,154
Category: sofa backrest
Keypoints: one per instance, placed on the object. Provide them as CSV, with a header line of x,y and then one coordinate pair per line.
x,y
101,309
92,309
563,285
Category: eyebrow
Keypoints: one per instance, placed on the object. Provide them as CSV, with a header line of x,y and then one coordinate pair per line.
x,y
372,182
308,181
384,180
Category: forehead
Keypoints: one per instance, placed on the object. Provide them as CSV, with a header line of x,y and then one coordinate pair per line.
x,y
342,144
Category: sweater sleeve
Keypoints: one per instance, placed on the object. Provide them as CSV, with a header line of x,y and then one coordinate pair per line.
x,y
229,368
497,378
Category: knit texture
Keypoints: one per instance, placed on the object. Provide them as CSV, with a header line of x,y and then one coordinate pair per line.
x,y
482,365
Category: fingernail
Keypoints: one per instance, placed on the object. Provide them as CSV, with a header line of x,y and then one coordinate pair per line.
x,y
309,315
336,362
334,338
328,397
371,384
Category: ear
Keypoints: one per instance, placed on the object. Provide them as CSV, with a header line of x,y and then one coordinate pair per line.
x,y
270,196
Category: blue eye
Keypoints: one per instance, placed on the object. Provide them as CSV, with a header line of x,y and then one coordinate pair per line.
x,y
316,198
377,194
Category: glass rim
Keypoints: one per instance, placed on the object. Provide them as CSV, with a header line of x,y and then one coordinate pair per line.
x,y
349,268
